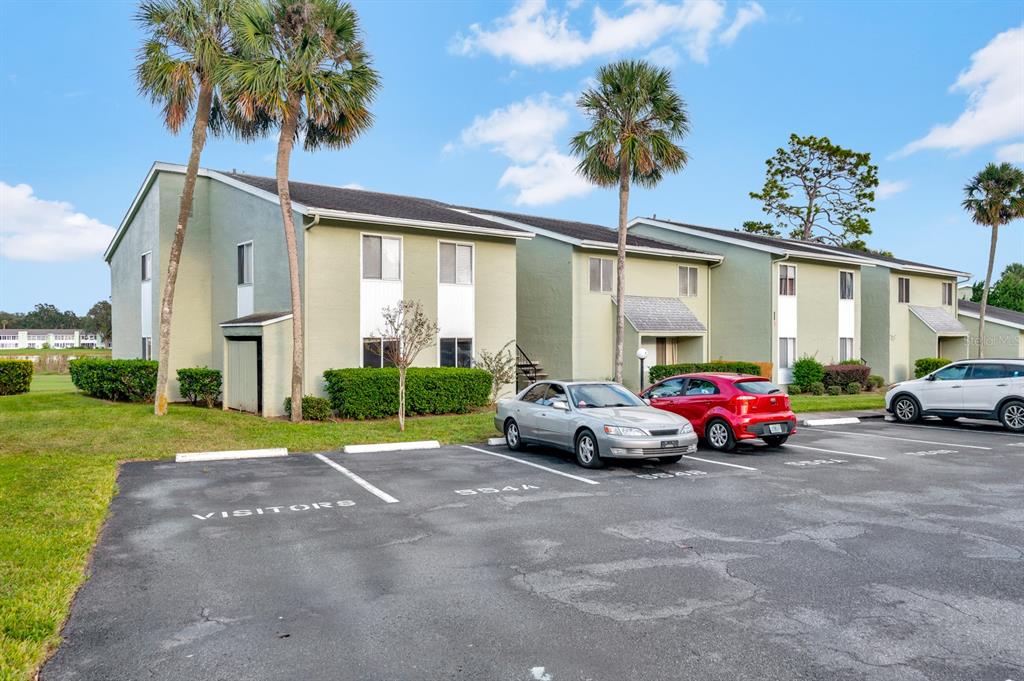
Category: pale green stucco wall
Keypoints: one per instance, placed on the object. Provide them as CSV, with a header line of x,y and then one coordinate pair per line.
x,y
921,342
875,301
545,309
906,346
125,278
1000,341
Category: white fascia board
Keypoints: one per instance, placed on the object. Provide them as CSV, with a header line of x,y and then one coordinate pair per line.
x,y
416,224
650,250
990,319
266,322
706,235
521,225
877,262
852,260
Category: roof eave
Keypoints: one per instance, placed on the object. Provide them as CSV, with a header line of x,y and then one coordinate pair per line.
x,y
331,214
649,250
707,235
989,318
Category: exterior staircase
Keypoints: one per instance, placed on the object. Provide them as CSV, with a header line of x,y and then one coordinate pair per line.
x,y
527,370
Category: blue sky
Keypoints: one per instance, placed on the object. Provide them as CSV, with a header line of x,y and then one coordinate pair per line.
x,y
477,108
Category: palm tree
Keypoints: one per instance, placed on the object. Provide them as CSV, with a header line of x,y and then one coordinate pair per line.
x,y
994,197
636,119
299,65
177,69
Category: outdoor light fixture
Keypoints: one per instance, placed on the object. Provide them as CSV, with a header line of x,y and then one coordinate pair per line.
x,y
641,355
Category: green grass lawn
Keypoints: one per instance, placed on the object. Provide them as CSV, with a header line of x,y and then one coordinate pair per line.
x,y
58,466
804,403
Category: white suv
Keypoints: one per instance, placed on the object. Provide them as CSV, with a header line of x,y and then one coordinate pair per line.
x,y
977,388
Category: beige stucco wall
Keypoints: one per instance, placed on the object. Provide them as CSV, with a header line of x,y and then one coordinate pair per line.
x,y
277,367
818,310
1000,341
904,347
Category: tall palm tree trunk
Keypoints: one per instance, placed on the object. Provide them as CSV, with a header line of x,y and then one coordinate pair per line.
x,y
284,152
620,274
984,291
178,243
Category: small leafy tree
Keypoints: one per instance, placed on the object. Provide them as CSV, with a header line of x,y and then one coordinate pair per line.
x,y
409,331
501,365
98,320
1007,292
817,191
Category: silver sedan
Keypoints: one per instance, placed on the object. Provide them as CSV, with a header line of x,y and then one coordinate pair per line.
x,y
594,420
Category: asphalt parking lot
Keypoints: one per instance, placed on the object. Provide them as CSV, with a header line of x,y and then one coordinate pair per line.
x,y
868,551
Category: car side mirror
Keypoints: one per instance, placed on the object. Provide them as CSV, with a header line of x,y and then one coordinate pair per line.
x,y
647,400
561,405
930,377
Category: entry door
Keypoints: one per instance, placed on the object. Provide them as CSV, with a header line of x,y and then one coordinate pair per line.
x,y
242,387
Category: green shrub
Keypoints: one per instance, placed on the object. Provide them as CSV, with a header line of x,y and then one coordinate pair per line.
x,y
834,390
845,374
373,393
876,382
816,388
807,371
660,371
793,389
15,376
313,408
926,365
126,380
199,383
853,388
853,361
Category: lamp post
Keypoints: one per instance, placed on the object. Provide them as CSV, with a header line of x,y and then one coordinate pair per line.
x,y
641,355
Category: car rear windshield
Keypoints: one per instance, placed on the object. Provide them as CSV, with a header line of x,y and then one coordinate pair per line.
x,y
758,387
596,395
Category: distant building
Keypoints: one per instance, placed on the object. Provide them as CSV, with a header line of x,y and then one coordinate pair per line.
x,y
35,339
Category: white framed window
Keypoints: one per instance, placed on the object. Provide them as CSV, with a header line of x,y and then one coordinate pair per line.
x,y
146,266
845,349
455,263
947,293
601,275
376,352
456,352
787,352
245,264
382,257
845,285
787,280
687,282
903,293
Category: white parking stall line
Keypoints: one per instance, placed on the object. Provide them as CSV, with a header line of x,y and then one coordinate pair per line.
x,y
535,465
834,451
903,439
719,463
379,493
963,429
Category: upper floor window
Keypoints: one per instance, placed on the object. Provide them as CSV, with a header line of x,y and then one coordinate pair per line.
x,y
787,280
382,257
600,275
147,266
245,263
687,281
456,263
846,285
903,284
947,293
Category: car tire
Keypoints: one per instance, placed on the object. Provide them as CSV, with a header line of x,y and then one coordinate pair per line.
x,y
1011,415
906,409
672,459
719,436
587,453
513,438
775,440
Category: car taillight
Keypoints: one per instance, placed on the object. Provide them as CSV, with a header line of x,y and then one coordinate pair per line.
x,y
741,404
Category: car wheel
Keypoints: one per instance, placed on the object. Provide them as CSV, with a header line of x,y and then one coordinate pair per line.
x,y
775,440
1012,416
719,436
905,409
512,437
587,454
672,459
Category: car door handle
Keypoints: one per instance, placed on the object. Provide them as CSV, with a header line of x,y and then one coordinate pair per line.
x,y
1001,385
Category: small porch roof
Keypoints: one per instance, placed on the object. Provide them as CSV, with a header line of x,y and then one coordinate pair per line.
x,y
939,320
669,316
258,319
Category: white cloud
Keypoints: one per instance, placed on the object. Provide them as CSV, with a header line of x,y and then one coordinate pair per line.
x,y
46,231
353,185
526,133
535,35
887,188
1011,153
994,84
751,13
663,56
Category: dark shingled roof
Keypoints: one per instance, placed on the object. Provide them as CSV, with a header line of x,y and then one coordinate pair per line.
x,y
585,231
372,203
999,314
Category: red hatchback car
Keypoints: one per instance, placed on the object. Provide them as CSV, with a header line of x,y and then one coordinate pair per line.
x,y
725,408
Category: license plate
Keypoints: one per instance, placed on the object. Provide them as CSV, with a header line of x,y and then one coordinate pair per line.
x,y
669,443
776,428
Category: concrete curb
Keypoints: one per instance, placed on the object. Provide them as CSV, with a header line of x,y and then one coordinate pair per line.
x,y
191,457
495,441
391,446
846,420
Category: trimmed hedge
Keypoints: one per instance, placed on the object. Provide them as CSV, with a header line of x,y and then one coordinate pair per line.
x,y
807,371
834,390
125,380
926,365
369,393
199,383
817,388
15,376
660,371
845,374
313,408
853,388
875,381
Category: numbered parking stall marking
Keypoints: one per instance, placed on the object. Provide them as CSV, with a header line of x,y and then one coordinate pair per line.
x,y
666,475
507,489
267,511
815,462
